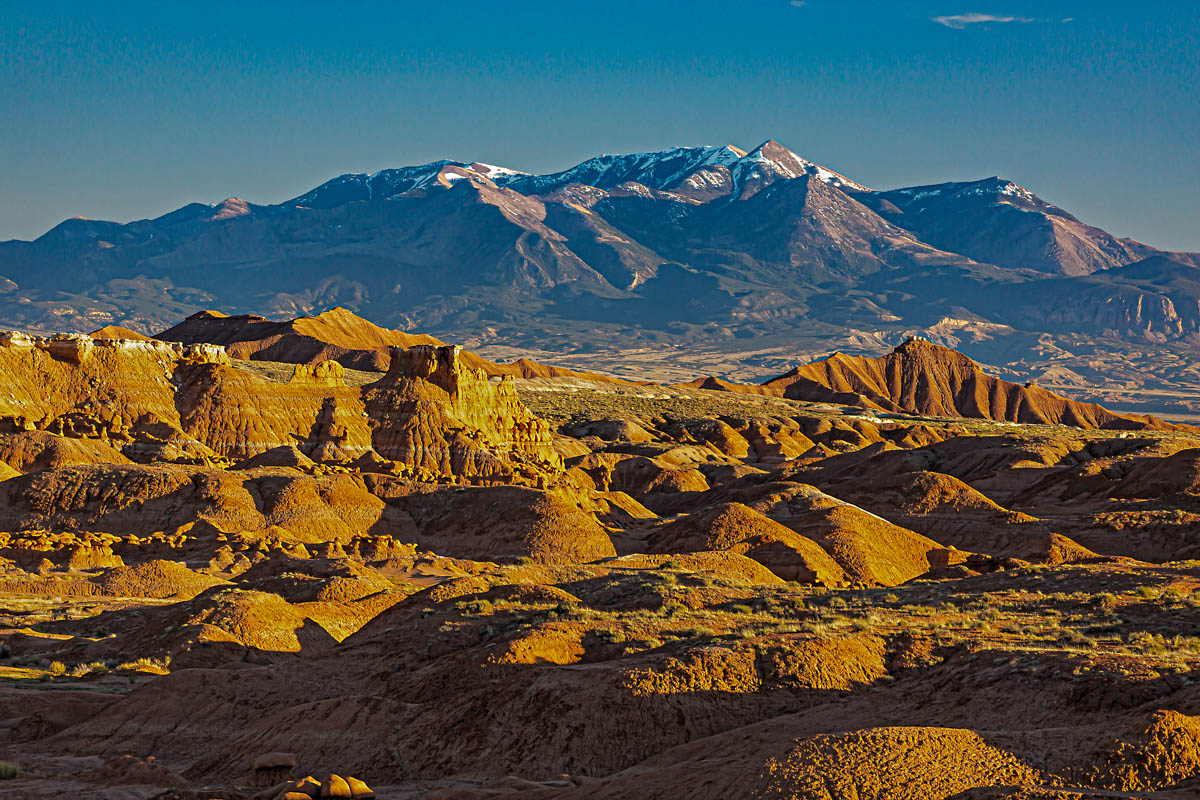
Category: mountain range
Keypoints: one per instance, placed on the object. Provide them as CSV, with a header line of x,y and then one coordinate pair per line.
x,y
688,260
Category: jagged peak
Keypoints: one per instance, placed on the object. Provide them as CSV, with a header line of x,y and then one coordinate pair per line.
x,y
658,170
778,162
231,207
920,347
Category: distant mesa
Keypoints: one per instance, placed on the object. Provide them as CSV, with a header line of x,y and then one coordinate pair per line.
x,y
117,332
335,335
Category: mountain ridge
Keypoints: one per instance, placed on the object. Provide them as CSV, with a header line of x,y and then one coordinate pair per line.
x,y
683,251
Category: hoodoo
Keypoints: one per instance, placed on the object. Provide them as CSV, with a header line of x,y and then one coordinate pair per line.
x,y
433,411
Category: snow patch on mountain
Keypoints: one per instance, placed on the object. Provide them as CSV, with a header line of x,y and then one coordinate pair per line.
x,y
704,168
1000,190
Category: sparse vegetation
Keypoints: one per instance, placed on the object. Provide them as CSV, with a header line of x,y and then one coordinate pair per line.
x,y
816,586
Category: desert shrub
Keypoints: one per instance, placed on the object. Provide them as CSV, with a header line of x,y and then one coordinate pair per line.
x,y
1147,642
476,607
638,645
741,608
695,632
81,670
609,636
673,608
144,664
1075,638
56,668
565,611
9,770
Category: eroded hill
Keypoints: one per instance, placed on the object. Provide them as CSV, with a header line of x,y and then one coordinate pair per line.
x,y
220,576
920,377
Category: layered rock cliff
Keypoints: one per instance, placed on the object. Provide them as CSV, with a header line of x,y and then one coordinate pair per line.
x,y
431,415
434,411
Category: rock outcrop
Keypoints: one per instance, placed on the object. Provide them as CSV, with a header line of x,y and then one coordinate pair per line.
x,y
156,401
433,411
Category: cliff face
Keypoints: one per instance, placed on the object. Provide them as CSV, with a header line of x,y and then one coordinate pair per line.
x,y
160,401
433,410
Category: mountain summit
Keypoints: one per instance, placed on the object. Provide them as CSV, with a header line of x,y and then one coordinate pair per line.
x,y
686,247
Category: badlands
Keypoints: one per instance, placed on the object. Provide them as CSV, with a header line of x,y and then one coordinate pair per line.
x,y
316,558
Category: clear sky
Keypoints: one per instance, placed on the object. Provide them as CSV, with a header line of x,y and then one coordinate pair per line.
x,y
128,110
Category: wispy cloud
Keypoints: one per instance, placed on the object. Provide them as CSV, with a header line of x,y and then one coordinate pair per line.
x,y
799,3
960,21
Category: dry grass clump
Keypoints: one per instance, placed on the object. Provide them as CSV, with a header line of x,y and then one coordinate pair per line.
x,y
90,668
154,666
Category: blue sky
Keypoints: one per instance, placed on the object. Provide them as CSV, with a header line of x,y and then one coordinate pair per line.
x,y
130,112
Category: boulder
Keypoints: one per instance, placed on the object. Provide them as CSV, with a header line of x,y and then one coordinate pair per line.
x,y
270,768
335,786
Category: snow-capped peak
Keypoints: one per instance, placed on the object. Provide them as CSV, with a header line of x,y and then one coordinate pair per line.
x,y
229,208
699,173
492,172
994,189
772,157
658,169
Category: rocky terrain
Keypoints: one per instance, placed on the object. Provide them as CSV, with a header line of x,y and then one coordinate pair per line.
x,y
662,265
314,558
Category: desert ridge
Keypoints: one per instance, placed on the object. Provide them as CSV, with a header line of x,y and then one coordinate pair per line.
x,y
920,377
334,335
425,579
